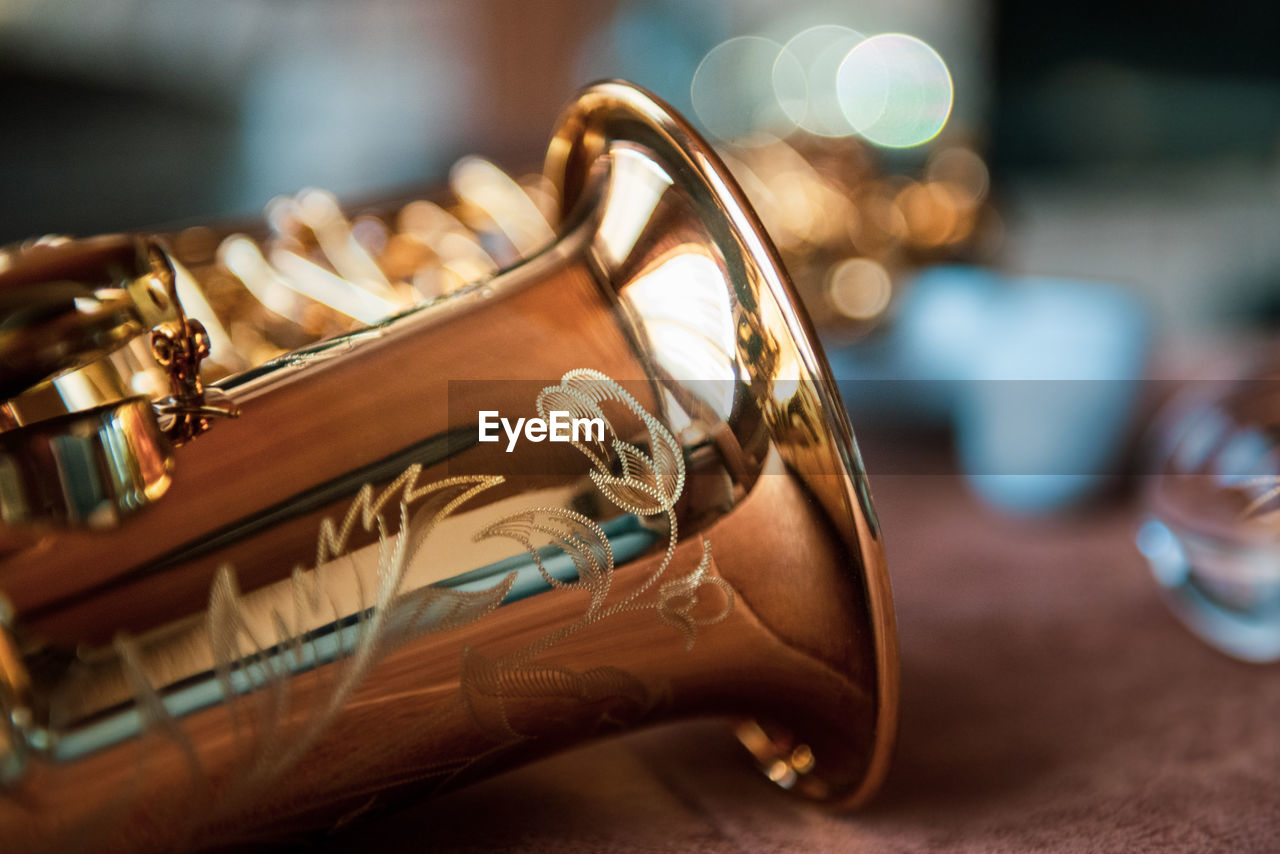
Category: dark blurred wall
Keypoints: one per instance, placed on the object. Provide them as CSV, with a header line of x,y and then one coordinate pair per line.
x,y
136,113
1096,82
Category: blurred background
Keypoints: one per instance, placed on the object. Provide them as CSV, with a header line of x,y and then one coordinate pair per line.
x,y
1013,223
1137,145
973,196
1021,229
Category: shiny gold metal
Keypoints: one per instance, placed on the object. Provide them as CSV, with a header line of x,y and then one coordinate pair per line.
x,y
15,701
180,351
64,304
345,593
68,305
88,469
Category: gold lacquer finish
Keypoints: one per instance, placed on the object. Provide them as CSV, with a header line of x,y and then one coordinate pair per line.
x,y
86,469
67,305
348,589
64,304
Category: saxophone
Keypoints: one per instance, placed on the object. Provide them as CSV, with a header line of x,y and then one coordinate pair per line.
x,y
296,518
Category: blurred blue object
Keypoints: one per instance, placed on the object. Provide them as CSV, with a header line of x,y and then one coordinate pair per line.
x,y
1211,533
1037,376
656,44
1225,590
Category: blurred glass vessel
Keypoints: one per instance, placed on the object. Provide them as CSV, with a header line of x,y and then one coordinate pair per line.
x,y
1212,530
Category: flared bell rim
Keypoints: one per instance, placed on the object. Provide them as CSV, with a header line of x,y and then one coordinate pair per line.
x,y
611,110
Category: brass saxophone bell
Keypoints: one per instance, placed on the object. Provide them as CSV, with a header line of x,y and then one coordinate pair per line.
x,y
353,588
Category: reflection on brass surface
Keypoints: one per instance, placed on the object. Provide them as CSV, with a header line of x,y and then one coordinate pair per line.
x,y
343,594
64,304
15,700
110,461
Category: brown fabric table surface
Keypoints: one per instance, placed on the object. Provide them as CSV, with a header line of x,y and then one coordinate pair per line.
x,y
1050,703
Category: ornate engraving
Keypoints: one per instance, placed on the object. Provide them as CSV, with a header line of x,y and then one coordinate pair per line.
x,y
647,483
678,598
644,478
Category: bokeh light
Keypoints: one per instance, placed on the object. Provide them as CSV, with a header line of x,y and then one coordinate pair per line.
x,y
963,169
820,51
859,288
895,90
748,85
931,213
